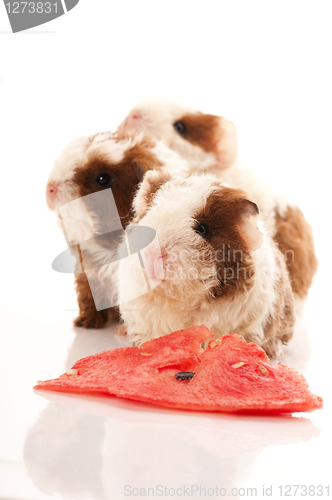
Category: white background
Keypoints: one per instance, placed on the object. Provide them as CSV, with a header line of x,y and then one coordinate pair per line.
x,y
266,65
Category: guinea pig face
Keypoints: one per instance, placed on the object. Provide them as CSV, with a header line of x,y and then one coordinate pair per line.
x,y
204,140
91,164
206,232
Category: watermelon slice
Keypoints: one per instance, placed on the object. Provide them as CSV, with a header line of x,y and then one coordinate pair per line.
x,y
230,375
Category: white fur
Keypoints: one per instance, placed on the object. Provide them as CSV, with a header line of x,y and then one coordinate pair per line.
x,y
71,157
268,200
77,221
172,163
184,302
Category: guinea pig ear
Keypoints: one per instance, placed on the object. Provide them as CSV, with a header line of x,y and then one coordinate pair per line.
x,y
248,229
152,182
226,144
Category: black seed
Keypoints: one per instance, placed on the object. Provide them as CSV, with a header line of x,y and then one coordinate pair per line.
x,y
184,375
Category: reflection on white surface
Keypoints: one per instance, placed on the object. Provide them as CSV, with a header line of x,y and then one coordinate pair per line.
x,y
93,446
62,452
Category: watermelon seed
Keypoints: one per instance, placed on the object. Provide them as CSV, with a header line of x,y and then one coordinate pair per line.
x,y
146,354
263,369
214,343
184,375
73,371
238,365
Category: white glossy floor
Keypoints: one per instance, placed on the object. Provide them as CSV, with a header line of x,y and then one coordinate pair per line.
x,y
267,68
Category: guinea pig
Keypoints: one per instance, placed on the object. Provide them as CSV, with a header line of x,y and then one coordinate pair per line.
x,y
213,265
209,143
90,165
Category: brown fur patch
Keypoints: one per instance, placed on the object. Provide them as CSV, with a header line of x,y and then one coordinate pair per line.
x,y
125,174
88,316
280,326
147,192
224,244
295,240
202,130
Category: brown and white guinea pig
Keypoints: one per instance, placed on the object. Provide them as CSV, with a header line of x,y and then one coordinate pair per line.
x,y
209,144
213,265
91,164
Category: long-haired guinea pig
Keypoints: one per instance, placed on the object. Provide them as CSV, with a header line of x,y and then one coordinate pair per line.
x,y
213,265
92,164
209,144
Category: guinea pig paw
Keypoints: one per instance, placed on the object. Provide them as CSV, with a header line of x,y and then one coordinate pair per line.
x,y
93,319
273,348
121,330
113,314
138,338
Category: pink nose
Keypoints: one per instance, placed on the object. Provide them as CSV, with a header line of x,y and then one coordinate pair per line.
x,y
51,192
132,121
154,263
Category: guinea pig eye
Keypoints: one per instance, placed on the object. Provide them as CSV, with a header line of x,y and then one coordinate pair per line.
x,y
180,127
104,180
202,229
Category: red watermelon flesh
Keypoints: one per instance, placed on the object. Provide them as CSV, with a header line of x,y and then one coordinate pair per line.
x,y
231,375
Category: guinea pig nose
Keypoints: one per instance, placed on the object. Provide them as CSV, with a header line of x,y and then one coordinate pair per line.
x,y
51,192
154,263
132,121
